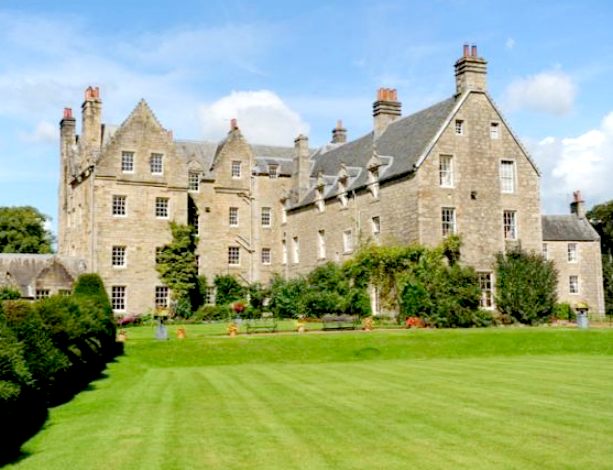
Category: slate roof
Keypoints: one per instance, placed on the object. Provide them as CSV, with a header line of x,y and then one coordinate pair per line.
x,y
568,228
399,148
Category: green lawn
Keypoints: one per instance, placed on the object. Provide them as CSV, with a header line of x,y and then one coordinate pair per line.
x,y
504,398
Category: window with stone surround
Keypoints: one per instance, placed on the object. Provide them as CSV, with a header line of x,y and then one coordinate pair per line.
x,y
284,252
193,181
545,251
487,294
446,171
127,162
509,222
118,256
321,244
161,207
266,217
118,298
375,224
158,252
573,284
161,296
459,127
448,221
273,171
236,169
373,181
119,205
233,217
507,176
494,130
266,256
234,255
156,164
209,295
572,252
347,241
296,250
42,293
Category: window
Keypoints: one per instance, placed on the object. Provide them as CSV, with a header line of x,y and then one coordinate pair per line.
x,y
236,169
209,295
573,284
448,221
156,164
266,217
234,256
545,251
347,241
193,181
273,171
507,176
459,127
42,293
343,199
373,181
510,226
194,221
266,256
375,223
127,162
342,192
233,217
485,282
296,250
161,207
119,205
494,130
321,244
118,256
572,252
158,252
320,203
118,298
161,296
284,251
446,171
283,214
63,292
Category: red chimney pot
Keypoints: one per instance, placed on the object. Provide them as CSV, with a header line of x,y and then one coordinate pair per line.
x,y
233,124
67,113
473,51
466,50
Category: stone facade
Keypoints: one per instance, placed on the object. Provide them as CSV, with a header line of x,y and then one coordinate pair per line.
x,y
455,167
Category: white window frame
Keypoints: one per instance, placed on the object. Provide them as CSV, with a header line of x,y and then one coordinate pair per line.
x,y
156,163
295,250
284,255
119,256
118,298
42,294
273,171
494,130
233,220
509,225
373,181
347,241
448,221
162,294
375,224
486,283
234,255
574,286
266,217
572,252
119,205
127,161
507,180
445,170
235,169
162,205
321,244
266,256
545,250
193,181
459,127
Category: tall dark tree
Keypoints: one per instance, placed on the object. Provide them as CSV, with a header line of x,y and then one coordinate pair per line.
x,y
601,217
22,230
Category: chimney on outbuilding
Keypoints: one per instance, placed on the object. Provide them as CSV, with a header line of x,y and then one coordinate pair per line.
x,y
577,207
339,133
385,110
91,109
470,71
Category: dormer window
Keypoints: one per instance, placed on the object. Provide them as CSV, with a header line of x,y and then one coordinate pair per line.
x,y
342,192
273,171
156,164
236,169
127,162
320,203
459,127
494,127
193,182
373,181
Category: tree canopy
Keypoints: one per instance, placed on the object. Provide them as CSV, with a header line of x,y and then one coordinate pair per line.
x,y
22,230
601,217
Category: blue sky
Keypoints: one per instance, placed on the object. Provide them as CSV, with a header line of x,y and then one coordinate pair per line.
x,y
287,67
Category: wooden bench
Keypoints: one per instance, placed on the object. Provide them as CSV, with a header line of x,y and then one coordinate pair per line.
x,y
340,322
265,324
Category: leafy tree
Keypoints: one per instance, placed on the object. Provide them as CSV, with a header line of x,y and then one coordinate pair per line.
x,y
177,264
8,293
526,286
22,230
227,289
287,297
601,217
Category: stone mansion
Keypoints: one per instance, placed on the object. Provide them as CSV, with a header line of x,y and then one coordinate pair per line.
x,y
454,167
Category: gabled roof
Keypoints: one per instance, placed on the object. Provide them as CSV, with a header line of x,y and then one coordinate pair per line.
x,y
568,228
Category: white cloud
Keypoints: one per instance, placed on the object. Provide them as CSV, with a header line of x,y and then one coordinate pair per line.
x,y
262,116
548,92
584,162
44,132
510,43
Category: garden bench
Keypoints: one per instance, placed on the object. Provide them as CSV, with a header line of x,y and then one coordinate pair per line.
x,y
266,324
340,322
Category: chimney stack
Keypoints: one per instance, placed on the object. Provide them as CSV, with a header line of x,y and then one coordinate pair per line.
x,y
385,110
233,124
68,135
302,167
339,133
577,207
91,110
470,71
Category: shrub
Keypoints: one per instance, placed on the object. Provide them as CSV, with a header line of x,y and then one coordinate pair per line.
x,y
212,312
287,297
563,311
228,289
526,286
8,293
